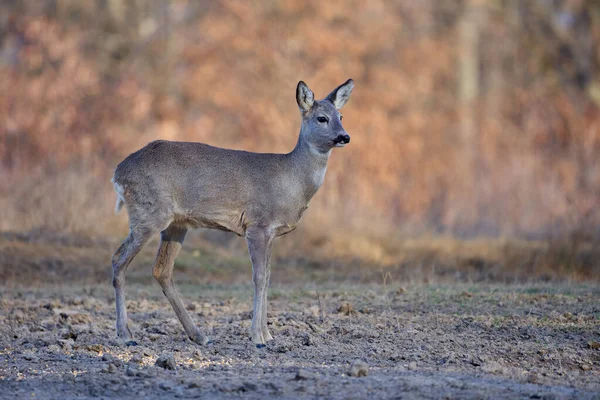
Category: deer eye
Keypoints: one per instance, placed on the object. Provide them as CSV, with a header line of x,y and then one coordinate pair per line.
x,y
341,117
322,120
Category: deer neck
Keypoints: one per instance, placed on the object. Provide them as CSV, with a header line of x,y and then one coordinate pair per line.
x,y
309,165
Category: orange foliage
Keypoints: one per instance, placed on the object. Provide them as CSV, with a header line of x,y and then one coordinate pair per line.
x,y
84,85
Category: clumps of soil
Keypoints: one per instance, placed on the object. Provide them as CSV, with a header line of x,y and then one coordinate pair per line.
x,y
359,368
592,344
346,309
500,342
304,375
166,362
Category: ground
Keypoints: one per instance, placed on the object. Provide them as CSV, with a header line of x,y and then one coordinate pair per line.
x,y
416,340
429,342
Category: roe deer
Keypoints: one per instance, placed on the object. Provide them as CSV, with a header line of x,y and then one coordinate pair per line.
x,y
171,186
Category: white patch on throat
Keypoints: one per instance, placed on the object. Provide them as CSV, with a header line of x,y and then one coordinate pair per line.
x,y
318,176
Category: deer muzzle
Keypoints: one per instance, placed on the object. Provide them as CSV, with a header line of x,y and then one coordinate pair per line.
x,y
341,140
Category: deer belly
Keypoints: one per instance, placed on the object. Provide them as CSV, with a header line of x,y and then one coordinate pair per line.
x,y
226,221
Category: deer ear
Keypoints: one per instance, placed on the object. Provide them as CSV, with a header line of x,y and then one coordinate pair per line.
x,y
341,94
304,97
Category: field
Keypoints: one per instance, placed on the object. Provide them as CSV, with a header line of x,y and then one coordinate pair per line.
x,y
453,250
441,339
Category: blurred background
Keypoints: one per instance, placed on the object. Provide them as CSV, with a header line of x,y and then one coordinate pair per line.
x,y
475,124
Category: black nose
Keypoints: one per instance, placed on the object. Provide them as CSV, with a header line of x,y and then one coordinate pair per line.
x,y
343,139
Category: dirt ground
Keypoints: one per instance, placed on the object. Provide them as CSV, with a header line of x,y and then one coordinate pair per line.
x,y
419,342
412,340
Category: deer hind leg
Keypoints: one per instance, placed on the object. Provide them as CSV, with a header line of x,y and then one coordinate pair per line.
x,y
135,241
259,246
171,241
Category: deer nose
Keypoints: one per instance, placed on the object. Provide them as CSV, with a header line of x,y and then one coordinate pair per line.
x,y
344,138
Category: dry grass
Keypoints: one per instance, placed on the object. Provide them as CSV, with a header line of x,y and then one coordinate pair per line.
x,y
64,207
40,257
72,200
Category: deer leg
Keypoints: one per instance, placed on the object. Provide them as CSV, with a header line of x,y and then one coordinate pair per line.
x,y
259,247
171,241
132,245
265,331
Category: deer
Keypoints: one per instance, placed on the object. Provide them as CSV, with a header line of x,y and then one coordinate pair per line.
x,y
168,187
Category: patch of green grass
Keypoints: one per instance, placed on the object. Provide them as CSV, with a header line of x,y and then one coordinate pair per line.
x,y
532,290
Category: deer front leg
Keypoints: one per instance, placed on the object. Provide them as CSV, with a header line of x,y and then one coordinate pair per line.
x,y
259,246
266,334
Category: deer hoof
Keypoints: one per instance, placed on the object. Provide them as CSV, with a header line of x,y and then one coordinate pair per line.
x,y
267,335
131,343
260,346
200,339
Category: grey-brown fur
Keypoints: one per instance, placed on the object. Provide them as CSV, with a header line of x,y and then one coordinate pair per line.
x,y
169,187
